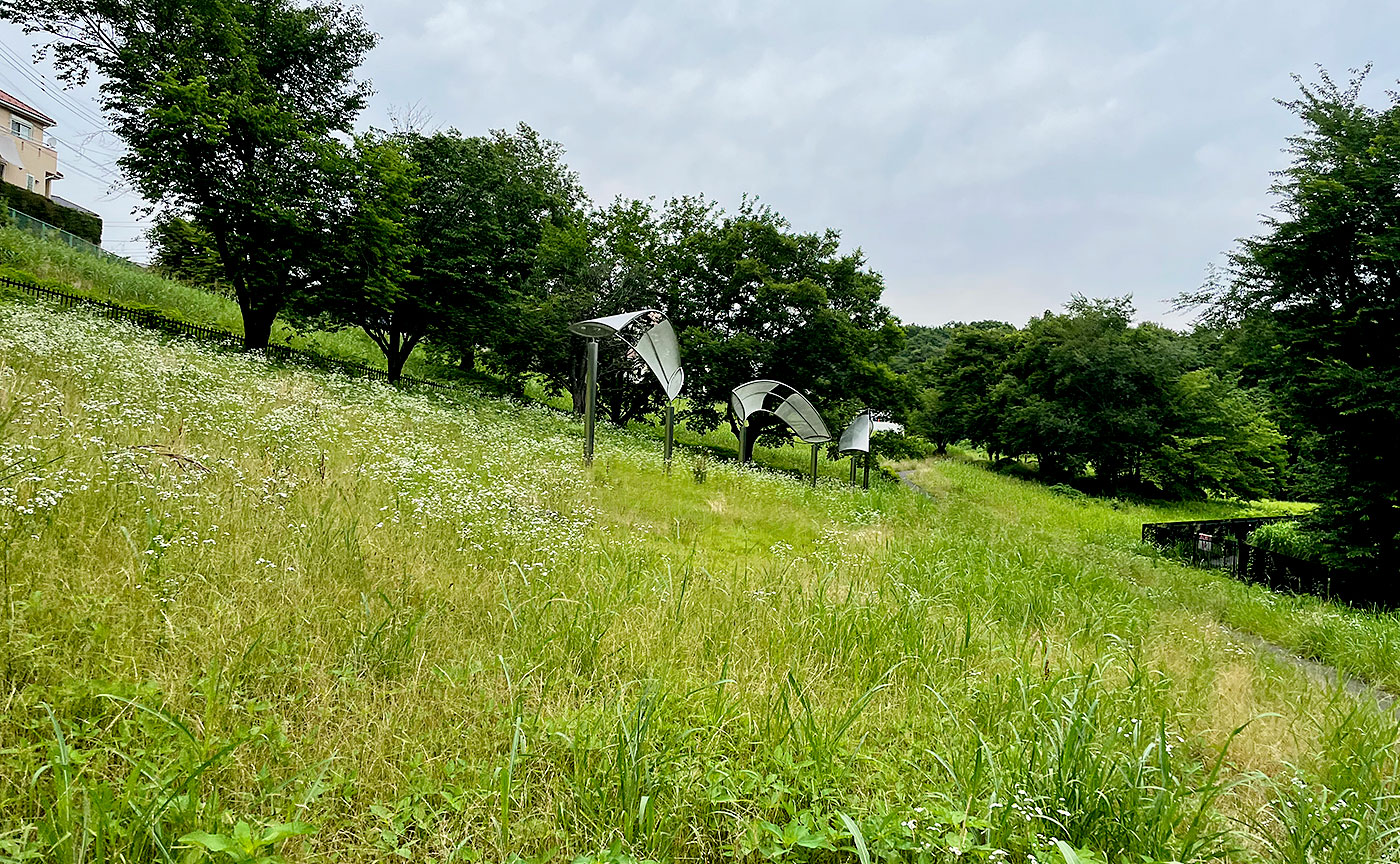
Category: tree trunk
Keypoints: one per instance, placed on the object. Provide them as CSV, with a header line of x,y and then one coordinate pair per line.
x,y
394,360
577,383
467,362
396,346
257,325
759,422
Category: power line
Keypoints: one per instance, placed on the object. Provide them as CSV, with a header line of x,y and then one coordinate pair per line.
x,y
111,174
92,177
88,145
78,151
48,88
62,99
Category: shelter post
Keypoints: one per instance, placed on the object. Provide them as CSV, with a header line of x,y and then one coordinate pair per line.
x,y
590,400
652,341
670,431
815,448
864,460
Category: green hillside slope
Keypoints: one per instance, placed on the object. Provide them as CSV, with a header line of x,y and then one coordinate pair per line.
x,y
31,258
280,612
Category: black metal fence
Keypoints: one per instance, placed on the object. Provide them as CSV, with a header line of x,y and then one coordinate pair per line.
x,y
1222,544
175,327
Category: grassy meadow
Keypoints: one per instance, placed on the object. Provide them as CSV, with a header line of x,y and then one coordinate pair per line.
x,y
255,612
31,258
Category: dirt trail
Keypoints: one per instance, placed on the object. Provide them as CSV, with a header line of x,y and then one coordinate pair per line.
x,y
1317,671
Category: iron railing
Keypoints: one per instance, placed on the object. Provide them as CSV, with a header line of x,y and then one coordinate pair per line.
x,y
1222,544
175,327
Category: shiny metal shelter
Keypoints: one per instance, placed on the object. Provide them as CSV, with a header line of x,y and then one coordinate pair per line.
x,y
651,338
784,402
856,439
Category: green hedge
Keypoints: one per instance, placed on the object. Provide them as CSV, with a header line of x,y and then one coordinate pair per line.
x,y
73,221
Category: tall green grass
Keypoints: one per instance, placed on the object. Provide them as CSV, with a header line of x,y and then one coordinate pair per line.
x,y
1361,643
281,612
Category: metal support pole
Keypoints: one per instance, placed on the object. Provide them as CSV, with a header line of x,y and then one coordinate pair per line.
x,y
814,465
743,433
865,460
670,432
590,399
853,469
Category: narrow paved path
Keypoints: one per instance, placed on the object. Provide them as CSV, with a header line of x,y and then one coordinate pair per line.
x,y
1317,671
904,478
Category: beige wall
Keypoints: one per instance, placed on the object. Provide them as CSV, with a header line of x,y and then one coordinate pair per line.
x,y
40,160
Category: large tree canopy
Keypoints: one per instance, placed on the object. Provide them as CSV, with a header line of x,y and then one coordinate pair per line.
x,y
957,382
437,237
755,299
361,270
1098,400
1322,283
1090,388
748,296
488,205
226,108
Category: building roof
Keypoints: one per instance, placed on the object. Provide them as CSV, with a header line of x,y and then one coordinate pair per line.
x,y
21,108
64,202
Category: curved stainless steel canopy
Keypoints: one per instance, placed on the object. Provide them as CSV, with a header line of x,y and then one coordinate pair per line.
x,y
649,333
652,338
787,403
856,439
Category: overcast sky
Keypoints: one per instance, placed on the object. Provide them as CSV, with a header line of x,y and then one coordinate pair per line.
x,y
990,159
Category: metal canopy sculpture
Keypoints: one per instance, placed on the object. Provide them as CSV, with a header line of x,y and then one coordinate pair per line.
x,y
856,439
784,402
652,339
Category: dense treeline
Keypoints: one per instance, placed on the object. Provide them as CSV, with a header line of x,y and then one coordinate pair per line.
x,y
1094,398
238,120
1310,310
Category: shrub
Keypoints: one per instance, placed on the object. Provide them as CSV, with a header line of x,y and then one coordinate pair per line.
x,y
1073,494
897,445
1286,538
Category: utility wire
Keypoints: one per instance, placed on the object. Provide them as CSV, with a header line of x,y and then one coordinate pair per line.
x,y
106,168
50,89
78,149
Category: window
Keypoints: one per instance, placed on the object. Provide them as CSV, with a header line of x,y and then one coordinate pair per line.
x,y
29,184
20,128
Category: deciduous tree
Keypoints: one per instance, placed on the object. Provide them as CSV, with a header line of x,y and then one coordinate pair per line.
x,y
756,299
1325,272
226,108
368,241
484,206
